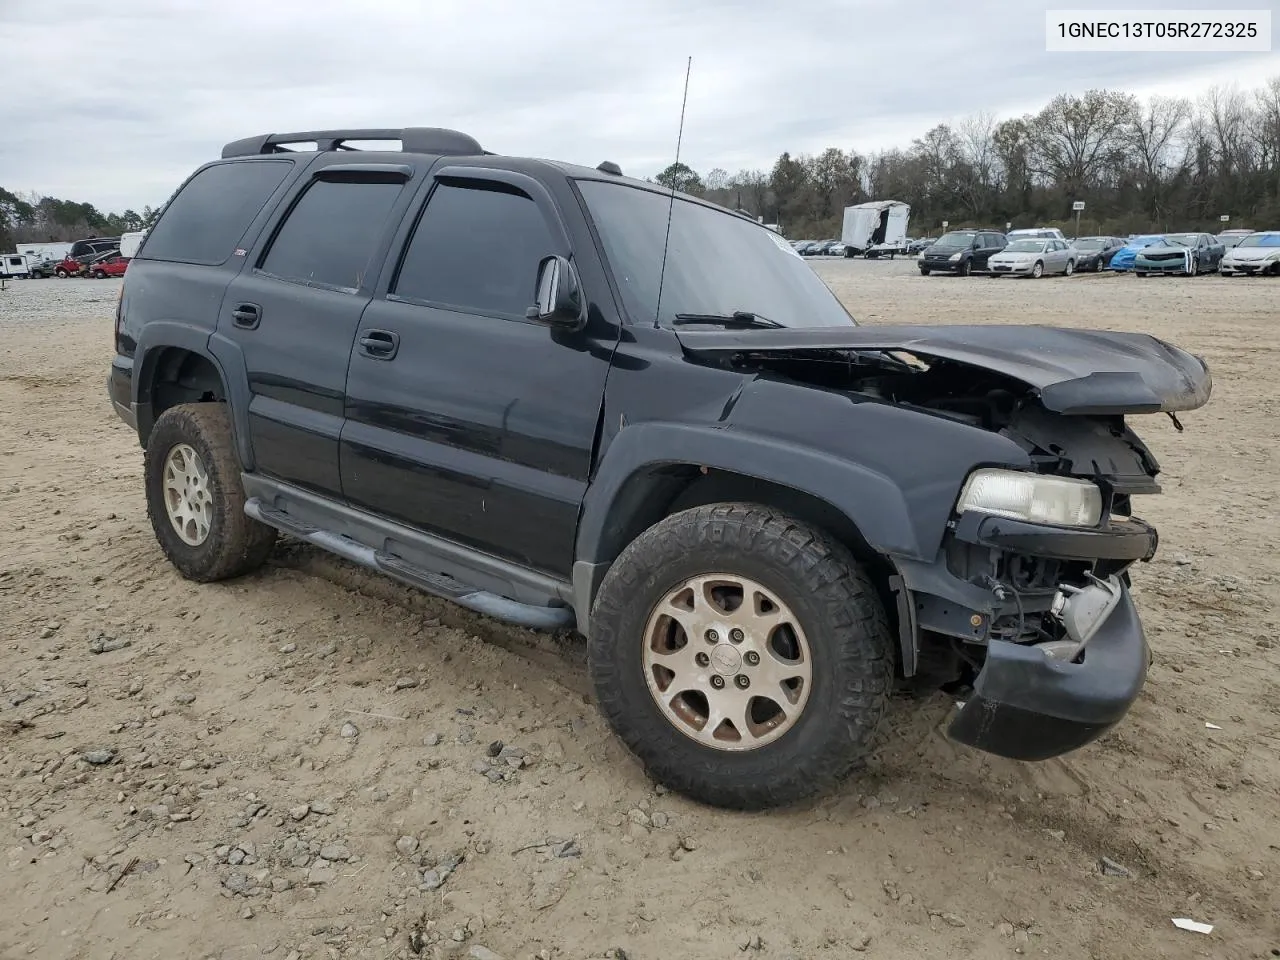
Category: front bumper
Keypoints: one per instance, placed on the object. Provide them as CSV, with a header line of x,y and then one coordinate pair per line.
x,y
1011,268
940,266
1029,706
1160,266
1248,267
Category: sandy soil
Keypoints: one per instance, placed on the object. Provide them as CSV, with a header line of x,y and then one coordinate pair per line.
x,y
299,761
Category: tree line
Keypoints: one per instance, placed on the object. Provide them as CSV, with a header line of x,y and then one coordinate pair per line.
x,y
31,218
1140,166
1163,164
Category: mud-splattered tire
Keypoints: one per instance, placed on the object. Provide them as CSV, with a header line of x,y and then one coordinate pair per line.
x,y
199,435
842,624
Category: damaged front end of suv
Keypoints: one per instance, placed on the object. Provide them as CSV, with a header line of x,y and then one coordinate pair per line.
x,y
1020,587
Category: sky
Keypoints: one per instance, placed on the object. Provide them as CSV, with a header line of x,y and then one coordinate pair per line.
x,y
116,103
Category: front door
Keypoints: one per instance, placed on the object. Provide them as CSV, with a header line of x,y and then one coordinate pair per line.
x,y
464,418
293,313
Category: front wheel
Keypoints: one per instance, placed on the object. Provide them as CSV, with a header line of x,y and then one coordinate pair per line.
x,y
195,499
966,268
924,271
1071,268
60,274
1037,271
743,656
99,275
1194,267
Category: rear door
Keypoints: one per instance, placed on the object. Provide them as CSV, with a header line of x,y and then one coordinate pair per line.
x,y
464,418
294,309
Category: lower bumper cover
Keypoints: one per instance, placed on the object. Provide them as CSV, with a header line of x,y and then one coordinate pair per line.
x,y
1027,706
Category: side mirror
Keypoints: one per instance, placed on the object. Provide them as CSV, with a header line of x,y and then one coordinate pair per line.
x,y
558,300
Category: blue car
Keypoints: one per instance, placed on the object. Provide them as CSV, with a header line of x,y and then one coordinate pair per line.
x,y
1123,260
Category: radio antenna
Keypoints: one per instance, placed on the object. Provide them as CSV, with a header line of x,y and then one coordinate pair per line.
x,y
675,173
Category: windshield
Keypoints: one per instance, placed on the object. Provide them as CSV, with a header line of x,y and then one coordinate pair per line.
x,y
1185,239
1025,246
957,238
1261,240
1090,243
1145,241
717,262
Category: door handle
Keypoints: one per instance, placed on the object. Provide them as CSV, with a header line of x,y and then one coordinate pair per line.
x,y
246,315
379,344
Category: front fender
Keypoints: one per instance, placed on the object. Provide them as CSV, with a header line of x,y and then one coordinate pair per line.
x,y
872,501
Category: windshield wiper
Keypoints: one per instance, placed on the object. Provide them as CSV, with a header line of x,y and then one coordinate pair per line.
x,y
739,318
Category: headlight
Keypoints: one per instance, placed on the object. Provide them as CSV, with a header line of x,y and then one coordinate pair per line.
x,y
1273,256
955,257
1032,497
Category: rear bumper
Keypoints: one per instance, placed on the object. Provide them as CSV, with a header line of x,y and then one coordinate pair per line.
x,y
1028,706
120,390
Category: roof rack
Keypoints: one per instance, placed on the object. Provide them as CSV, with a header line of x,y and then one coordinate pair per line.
x,y
433,140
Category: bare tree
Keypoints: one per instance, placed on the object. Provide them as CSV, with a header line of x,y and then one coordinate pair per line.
x,y
1156,137
1075,140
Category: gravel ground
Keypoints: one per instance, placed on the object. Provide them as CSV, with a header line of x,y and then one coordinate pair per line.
x,y
314,762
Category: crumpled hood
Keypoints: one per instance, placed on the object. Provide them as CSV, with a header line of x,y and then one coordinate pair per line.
x,y
1162,249
1073,371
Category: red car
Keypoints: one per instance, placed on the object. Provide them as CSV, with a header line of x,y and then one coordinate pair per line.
x,y
111,267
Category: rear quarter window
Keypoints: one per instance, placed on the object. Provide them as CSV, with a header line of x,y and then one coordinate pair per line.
x,y
206,220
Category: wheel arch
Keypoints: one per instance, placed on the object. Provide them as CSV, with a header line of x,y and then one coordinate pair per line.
x,y
636,486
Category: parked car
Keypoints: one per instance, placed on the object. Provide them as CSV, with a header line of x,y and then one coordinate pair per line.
x,y
1095,253
44,269
112,266
1035,233
462,370
800,246
915,246
961,252
1033,258
822,248
1122,259
1184,253
836,249
1231,238
1256,254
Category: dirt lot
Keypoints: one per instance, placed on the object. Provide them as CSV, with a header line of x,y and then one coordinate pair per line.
x,y
298,762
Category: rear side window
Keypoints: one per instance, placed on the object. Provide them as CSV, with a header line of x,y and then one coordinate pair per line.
x,y
329,235
204,222
476,248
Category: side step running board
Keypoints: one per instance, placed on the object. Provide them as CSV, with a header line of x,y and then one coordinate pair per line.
x,y
481,601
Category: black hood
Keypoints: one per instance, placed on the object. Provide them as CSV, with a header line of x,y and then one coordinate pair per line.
x,y
1073,371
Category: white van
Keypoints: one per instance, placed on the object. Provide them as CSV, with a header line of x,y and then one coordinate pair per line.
x,y
130,242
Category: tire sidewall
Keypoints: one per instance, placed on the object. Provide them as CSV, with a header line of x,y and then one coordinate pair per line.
x,y
177,426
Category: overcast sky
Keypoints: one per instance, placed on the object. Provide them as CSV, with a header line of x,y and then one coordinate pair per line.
x,y
115,103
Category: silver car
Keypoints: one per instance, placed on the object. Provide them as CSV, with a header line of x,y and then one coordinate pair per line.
x,y
1033,258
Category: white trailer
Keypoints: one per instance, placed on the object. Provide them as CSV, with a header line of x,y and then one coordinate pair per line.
x,y
39,252
130,242
875,227
14,265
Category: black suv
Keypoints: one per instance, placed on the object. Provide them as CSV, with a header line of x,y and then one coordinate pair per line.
x,y
570,399
960,252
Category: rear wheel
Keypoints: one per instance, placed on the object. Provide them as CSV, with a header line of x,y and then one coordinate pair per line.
x,y
742,655
100,274
195,499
